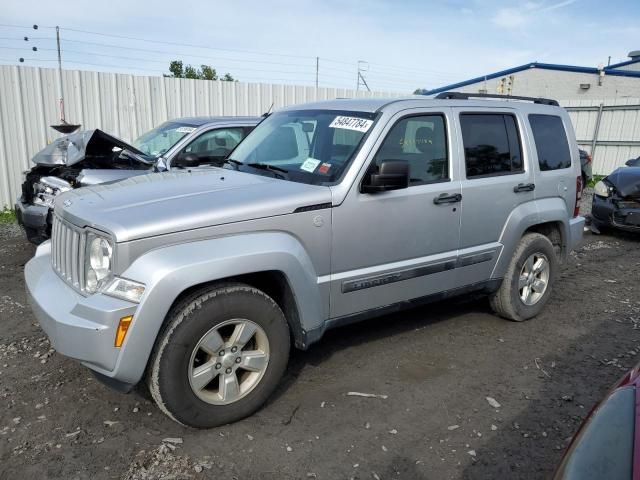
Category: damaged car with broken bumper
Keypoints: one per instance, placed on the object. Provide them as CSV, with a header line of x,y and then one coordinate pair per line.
x,y
93,157
616,200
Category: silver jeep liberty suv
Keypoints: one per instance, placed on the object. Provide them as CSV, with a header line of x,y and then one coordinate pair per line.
x,y
197,282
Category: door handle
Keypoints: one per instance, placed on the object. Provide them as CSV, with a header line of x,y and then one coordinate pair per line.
x,y
447,198
524,187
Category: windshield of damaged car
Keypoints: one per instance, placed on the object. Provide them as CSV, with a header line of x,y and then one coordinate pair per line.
x,y
157,141
307,146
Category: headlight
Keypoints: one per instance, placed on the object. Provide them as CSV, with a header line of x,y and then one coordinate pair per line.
x,y
601,189
125,289
47,188
97,264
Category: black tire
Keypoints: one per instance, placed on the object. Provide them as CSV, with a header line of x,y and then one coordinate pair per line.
x,y
187,322
506,301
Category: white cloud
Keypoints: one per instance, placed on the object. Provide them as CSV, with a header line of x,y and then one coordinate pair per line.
x,y
509,18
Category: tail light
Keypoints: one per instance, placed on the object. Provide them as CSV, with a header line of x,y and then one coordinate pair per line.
x,y
588,158
576,208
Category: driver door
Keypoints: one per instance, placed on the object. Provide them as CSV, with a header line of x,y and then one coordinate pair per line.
x,y
399,245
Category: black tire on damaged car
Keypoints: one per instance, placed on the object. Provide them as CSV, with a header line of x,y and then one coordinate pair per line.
x,y
191,318
506,301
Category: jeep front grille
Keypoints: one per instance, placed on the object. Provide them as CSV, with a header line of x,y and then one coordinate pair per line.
x,y
67,252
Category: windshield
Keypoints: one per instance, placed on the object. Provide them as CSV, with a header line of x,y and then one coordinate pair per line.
x,y
157,141
308,146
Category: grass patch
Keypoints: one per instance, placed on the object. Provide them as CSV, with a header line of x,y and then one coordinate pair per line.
x,y
595,179
7,216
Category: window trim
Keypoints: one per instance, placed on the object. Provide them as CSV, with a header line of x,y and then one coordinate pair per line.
x,y
519,137
446,143
535,143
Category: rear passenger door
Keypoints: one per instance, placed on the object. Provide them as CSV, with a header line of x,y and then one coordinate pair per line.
x,y
496,179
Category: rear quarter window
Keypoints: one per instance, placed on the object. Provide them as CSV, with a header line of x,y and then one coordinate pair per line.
x,y
551,142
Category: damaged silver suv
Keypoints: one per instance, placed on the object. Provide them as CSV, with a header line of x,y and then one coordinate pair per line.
x,y
197,282
91,157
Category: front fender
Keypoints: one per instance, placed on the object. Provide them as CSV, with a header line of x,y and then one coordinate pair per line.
x,y
169,271
524,217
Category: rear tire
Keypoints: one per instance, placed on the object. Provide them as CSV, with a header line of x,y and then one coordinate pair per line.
x,y
220,356
529,279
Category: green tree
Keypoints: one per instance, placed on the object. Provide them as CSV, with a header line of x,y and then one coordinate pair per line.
x,y
206,72
177,69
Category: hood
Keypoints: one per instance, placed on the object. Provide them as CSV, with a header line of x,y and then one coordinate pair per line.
x,y
175,201
73,148
626,181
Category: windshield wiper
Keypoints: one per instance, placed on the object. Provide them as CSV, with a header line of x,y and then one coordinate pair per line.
x,y
278,171
232,161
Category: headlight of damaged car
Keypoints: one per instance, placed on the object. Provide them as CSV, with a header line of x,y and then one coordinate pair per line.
x,y
98,262
601,189
45,190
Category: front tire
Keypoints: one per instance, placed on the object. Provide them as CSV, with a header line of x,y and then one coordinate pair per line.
x,y
220,356
529,279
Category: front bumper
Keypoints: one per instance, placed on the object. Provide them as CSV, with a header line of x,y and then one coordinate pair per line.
x,y
607,212
35,219
82,328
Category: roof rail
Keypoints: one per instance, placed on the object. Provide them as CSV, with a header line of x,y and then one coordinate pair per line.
x,y
467,96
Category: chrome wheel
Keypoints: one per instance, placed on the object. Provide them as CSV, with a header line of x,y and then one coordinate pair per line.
x,y
229,361
534,279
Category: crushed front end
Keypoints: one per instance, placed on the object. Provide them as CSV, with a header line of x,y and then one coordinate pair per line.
x,y
616,200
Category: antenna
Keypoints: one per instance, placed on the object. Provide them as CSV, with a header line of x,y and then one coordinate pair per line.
x,y
268,112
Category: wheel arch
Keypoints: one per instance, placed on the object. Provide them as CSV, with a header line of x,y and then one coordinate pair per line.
x,y
274,262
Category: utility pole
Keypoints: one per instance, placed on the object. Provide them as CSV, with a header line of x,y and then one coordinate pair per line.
x,y
317,70
60,94
362,67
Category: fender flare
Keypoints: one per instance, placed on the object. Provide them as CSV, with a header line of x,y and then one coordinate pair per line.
x,y
169,271
525,216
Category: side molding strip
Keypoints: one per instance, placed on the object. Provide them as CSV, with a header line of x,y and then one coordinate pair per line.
x,y
401,275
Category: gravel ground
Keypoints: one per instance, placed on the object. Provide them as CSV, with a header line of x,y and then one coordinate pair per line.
x,y
466,394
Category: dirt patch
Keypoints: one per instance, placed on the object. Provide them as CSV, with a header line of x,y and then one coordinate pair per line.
x,y
432,369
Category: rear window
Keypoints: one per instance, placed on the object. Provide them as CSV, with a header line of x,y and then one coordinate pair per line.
x,y
551,142
491,144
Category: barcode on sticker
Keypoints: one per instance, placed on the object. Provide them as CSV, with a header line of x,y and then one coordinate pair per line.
x,y
185,129
352,123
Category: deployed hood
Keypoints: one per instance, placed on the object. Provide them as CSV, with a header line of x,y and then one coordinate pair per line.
x,y
73,148
175,201
626,181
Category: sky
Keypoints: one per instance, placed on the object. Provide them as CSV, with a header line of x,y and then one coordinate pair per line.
x,y
402,45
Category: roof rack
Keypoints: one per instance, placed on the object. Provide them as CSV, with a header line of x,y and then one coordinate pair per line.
x,y
467,96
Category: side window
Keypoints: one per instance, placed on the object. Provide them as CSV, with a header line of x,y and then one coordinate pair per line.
x,y
491,144
215,144
422,142
551,142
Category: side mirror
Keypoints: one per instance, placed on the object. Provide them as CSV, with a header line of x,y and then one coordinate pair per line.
x,y
392,175
187,160
634,162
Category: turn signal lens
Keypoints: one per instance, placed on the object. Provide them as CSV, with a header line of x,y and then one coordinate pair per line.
x,y
123,328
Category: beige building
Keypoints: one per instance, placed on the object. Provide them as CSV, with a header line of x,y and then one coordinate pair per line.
x,y
563,82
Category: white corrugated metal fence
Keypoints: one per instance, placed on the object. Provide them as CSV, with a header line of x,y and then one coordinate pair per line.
x,y
123,105
608,129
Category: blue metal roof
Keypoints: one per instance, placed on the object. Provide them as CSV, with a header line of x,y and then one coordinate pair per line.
x,y
610,70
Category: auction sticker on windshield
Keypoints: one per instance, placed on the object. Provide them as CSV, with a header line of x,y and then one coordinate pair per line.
x,y
352,123
185,129
310,165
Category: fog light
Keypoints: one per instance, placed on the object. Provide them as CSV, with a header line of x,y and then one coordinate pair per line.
x,y
123,328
